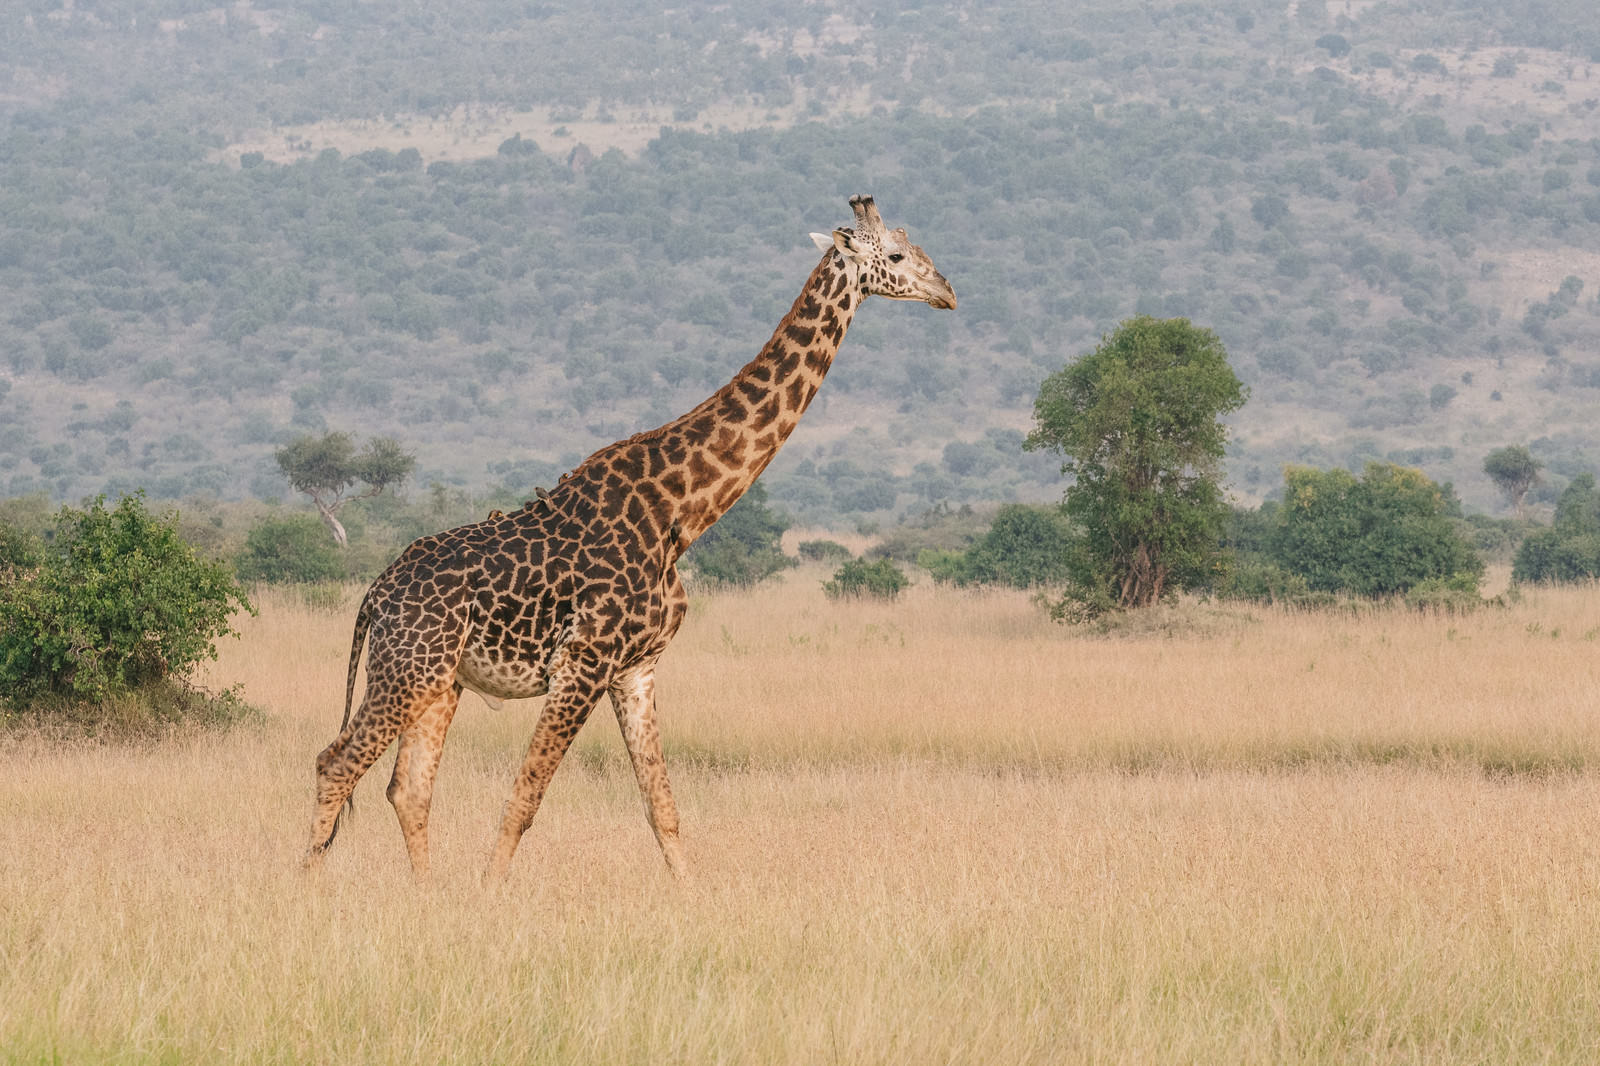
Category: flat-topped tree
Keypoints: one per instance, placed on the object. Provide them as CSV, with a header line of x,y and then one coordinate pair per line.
x,y
1514,471
327,468
577,594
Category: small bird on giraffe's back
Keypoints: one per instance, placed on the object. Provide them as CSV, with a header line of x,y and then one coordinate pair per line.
x,y
576,595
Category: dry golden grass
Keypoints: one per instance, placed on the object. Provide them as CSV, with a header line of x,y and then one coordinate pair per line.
x,y
942,830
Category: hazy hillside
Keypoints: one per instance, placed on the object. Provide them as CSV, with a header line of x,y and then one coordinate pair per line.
x,y
508,232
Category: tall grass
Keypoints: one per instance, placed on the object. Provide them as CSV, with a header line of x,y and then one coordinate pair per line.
x,y
940,830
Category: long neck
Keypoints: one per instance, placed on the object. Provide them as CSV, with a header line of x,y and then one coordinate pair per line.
x,y
729,439
687,473
670,484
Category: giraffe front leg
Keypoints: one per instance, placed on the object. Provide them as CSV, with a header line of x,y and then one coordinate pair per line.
x,y
574,690
415,764
633,696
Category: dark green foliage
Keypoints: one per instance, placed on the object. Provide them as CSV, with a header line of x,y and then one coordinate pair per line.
x,y
880,579
1514,471
327,467
117,602
1578,509
1025,547
822,551
1550,556
1497,539
1570,549
1138,421
1263,581
294,548
1458,595
1379,535
330,464
745,545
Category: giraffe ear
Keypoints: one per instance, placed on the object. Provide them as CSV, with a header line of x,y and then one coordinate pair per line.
x,y
822,241
845,241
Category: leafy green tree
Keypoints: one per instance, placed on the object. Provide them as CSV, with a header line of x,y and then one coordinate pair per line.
x,y
116,601
1379,535
291,548
1514,471
326,468
745,545
1139,422
1570,549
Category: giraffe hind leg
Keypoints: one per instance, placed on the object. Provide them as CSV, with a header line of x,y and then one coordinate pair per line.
x,y
383,714
416,763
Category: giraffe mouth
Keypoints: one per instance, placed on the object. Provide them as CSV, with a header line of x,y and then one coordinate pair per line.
x,y
942,295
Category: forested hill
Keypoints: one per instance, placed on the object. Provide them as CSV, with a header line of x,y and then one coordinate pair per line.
x,y
506,232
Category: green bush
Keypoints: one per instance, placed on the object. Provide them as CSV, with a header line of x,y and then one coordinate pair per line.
x,y
1379,535
880,579
1445,596
1555,556
1569,550
822,551
944,566
117,602
1258,581
1025,547
294,548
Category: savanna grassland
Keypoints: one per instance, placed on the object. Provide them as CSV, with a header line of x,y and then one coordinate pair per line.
x,y
941,830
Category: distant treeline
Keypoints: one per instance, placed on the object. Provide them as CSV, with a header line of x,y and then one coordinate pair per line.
x,y
172,315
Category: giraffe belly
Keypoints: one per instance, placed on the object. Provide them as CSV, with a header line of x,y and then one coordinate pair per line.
x,y
496,681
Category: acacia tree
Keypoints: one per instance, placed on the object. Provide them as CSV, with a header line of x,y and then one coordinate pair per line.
x,y
1139,422
327,468
1514,471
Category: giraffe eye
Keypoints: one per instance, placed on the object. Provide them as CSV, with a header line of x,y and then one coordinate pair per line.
x,y
896,257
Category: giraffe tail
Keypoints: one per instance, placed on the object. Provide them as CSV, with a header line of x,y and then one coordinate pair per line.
x,y
358,640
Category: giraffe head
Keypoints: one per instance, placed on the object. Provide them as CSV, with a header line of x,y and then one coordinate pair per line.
x,y
884,262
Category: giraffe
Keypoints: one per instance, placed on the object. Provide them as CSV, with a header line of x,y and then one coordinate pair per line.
x,y
576,595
